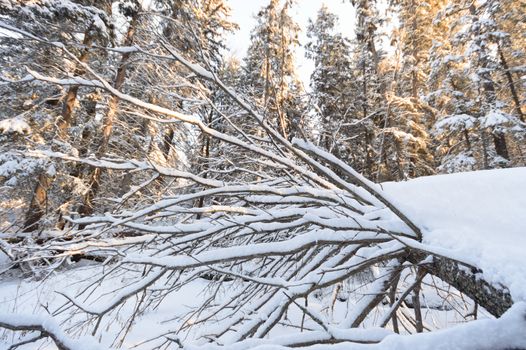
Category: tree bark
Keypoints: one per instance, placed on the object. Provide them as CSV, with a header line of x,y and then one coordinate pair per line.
x,y
511,83
66,118
499,139
488,85
37,208
94,182
495,299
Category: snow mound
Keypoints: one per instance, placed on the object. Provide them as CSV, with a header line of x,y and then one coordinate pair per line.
x,y
478,215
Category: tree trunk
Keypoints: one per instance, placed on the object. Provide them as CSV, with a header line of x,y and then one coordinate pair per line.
x,y
37,208
496,300
419,326
205,152
501,148
488,85
66,119
414,75
511,83
94,182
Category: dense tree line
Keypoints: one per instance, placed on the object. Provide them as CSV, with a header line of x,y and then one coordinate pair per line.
x,y
86,122
448,98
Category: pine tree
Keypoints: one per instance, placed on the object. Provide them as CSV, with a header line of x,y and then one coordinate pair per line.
x,y
482,117
333,88
91,123
270,67
409,117
369,101
51,113
195,28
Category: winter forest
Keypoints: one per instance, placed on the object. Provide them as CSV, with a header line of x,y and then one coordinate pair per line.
x,y
158,192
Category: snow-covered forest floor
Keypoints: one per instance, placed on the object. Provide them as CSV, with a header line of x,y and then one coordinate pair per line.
x,y
475,217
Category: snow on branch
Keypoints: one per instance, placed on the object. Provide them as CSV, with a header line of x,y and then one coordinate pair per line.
x,y
47,327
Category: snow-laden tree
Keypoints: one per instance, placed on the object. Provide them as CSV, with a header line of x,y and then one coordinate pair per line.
x,y
369,97
409,117
87,122
480,115
270,71
333,90
48,111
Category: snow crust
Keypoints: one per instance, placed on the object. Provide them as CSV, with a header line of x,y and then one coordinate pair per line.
x,y
478,215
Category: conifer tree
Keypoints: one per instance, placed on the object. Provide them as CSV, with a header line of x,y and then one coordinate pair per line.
x,y
52,113
270,67
89,122
485,118
370,101
333,88
409,117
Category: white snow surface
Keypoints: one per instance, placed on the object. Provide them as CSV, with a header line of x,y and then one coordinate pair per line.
x,y
477,217
480,216
14,125
488,334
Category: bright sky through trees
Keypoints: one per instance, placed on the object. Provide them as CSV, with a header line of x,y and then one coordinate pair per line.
x,y
243,12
